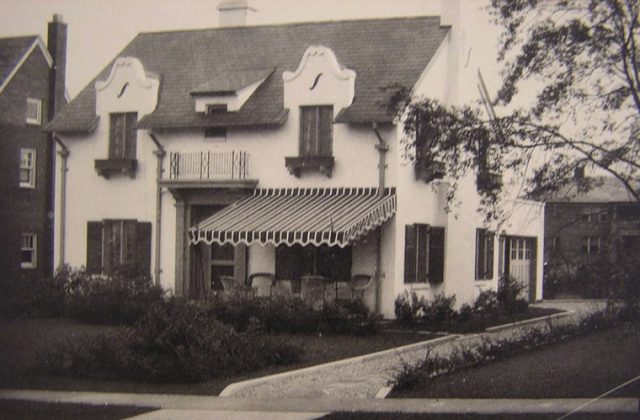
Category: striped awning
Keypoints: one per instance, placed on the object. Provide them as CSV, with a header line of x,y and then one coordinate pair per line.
x,y
316,216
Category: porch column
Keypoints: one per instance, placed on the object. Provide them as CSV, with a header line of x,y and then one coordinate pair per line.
x,y
182,286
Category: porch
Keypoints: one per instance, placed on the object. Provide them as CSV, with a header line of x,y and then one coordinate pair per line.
x,y
322,245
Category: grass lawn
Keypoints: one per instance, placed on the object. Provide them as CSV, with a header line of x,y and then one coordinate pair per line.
x,y
477,324
581,367
11,410
20,341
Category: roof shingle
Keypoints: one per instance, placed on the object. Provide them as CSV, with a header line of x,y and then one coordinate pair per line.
x,y
382,52
11,51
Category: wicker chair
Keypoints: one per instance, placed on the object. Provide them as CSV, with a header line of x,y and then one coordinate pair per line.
x,y
262,284
359,285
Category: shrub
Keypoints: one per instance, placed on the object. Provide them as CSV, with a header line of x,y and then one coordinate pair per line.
x,y
408,306
510,297
32,298
439,310
119,299
283,314
175,342
486,303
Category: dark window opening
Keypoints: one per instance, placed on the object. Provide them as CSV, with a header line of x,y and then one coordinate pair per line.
x,y
122,136
316,130
424,254
115,244
484,254
332,262
214,108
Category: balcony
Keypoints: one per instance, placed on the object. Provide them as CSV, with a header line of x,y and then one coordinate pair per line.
x,y
109,167
488,181
208,166
428,171
297,164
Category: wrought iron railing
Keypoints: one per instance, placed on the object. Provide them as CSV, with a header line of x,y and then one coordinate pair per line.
x,y
208,165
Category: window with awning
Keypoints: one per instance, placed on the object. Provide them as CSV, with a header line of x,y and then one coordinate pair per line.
x,y
303,216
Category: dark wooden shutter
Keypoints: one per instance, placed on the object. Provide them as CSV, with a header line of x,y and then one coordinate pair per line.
x,y
410,254
113,122
110,245
325,131
130,134
143,248
480,254
307,131
436,255
422,259
490,236
94,247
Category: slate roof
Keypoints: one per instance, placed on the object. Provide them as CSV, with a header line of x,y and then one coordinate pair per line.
x,y
230,81
381,51
11,51
601,190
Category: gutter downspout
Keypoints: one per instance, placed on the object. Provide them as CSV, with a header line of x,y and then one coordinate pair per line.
x,y
64,154
382,148
160,153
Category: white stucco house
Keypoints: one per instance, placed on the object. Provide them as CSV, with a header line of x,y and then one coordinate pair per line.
x,y
242,149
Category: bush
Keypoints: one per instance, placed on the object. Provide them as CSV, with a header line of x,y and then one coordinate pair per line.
x,y
282,314
32,298
408,306
175,342
509,296
119,299
439,310
486,303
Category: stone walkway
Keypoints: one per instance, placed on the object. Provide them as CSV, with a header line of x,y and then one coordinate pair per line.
x,y
367,376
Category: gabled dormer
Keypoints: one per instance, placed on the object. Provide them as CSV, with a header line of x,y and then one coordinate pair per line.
x,y
128,94
227,91
318,90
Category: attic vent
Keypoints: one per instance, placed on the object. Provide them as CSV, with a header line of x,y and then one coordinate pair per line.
x,y
215,108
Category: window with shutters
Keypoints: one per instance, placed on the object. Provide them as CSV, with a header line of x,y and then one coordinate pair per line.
x,y
114,244
484,254
424,254
316,141
122,146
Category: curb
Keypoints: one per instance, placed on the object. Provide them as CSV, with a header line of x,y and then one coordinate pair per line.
x,y
233,388
503,327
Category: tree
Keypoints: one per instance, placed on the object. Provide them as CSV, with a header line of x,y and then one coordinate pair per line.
x,y
582,60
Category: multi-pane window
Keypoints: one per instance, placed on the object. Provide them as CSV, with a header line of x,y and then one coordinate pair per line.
x,y
423,254
484,254
521,249
316,130
592,245
28,250
122,135
27,168
112,244
34,111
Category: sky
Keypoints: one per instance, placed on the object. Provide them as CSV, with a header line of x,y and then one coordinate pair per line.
x,y
99,29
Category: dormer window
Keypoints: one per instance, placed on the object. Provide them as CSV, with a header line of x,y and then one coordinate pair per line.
x,y
122,146
316,141
214,108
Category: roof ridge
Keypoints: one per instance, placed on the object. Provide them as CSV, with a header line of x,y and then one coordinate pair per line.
x,y
271,25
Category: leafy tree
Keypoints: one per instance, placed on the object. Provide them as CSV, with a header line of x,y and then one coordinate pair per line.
x,y
581,60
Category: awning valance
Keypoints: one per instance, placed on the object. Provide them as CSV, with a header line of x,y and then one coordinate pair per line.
x,y
316,216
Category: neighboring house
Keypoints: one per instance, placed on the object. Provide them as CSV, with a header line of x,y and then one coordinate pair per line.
x,y
586,228
31,90
200,154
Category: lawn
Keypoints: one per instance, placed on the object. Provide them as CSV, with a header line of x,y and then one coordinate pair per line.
x,y
476,324
21,340
581,367
11,410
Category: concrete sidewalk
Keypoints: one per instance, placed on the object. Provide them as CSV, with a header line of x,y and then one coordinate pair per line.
x,y
367,377
195,407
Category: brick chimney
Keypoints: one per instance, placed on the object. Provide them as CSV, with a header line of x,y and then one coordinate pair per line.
x,y
57,45
233,13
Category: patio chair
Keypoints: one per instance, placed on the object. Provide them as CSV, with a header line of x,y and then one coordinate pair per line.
x,y
230,286
262,284
282,288
359,285
312,290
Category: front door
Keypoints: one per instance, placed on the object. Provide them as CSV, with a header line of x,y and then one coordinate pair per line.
x,y
521,255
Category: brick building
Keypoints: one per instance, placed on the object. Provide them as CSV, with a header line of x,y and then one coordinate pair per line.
x,y
584,229
32,88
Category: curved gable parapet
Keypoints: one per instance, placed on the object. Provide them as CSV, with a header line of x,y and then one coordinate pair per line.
x,y
128,88
319,79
